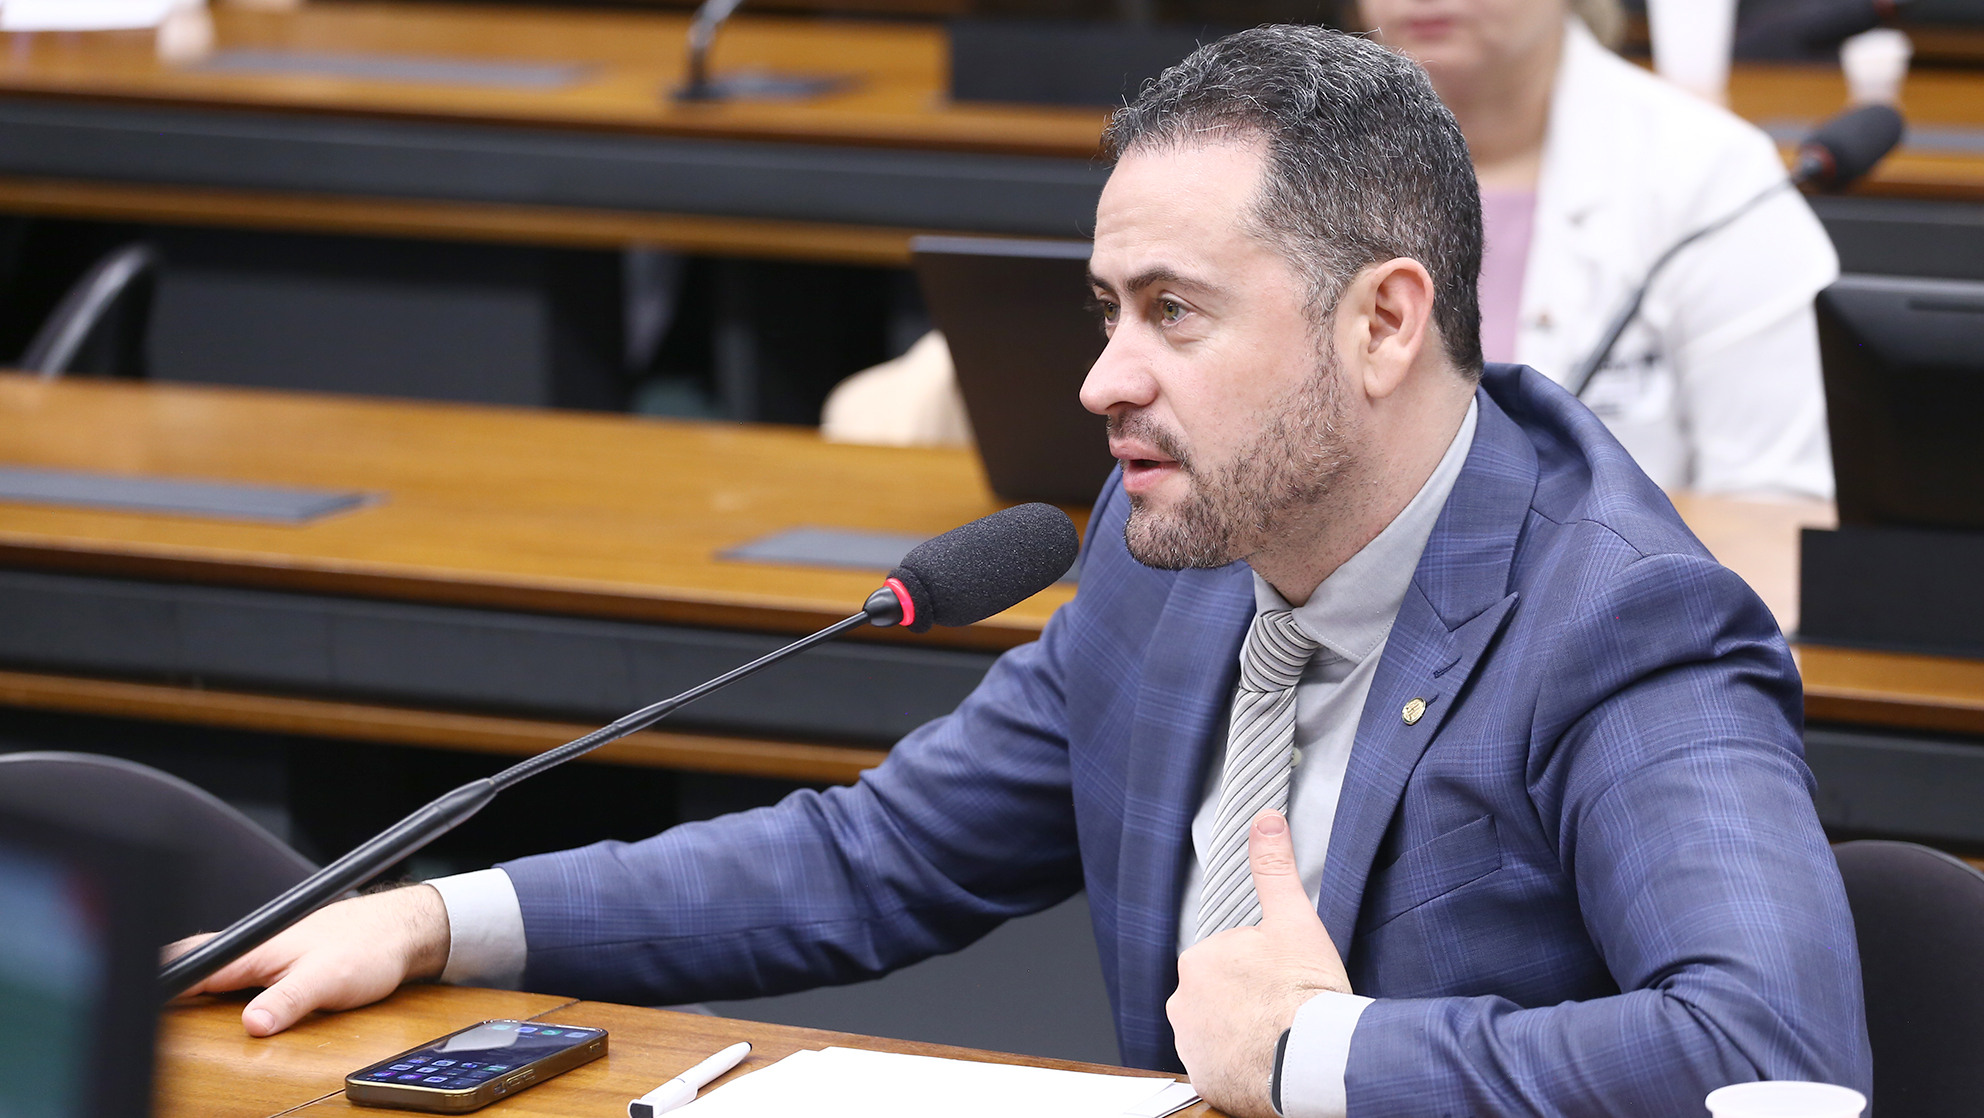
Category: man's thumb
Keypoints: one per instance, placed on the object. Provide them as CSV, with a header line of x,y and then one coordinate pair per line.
x,y
276,1008
1271,856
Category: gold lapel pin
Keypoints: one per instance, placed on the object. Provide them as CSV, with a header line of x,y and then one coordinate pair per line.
x,y
1414,711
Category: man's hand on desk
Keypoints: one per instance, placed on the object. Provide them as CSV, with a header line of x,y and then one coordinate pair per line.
x,y
1238,990
344,955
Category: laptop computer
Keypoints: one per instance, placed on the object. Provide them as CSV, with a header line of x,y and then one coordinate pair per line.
x,y
1904,375
80,915
1022,336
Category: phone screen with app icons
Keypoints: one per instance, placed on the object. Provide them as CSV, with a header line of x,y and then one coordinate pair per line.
x,y
491,1053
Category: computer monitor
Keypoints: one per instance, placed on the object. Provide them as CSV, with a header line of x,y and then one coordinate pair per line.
x,y
1022,336
1904,375
79,919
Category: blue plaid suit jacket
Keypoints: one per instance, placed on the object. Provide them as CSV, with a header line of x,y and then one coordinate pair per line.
x,y
1590,880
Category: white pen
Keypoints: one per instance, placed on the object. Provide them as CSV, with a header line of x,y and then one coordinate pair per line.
x,y
682,1089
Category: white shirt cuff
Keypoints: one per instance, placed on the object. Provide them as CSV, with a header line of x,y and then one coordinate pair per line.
x,y
1312,1066
485,930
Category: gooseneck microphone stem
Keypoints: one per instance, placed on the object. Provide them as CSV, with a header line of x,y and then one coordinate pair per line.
x,y
959,578
1581,376
449,811
1837,152
648,716
703,26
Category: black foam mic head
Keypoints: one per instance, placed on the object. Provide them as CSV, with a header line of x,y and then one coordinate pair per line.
x,y
1847,146
978,569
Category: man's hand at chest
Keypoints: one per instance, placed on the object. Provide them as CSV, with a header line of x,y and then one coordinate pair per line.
x,y
1238,990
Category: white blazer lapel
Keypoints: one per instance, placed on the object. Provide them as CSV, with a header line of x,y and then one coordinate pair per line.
x,y
1570,283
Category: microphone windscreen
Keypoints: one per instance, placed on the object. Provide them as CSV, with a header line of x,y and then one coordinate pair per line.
x,y
1848,145
978,569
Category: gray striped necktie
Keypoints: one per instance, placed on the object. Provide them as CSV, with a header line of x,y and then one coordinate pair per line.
x,y
1260,754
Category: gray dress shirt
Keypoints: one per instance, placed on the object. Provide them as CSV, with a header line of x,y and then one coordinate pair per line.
x,y
1349,615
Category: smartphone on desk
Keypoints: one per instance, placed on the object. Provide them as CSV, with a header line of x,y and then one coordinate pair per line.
x,y
473,1067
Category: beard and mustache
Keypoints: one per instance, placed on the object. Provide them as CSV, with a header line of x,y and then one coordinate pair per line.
x,y
1293,462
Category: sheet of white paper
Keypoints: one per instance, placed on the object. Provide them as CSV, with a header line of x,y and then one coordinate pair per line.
x,y
855,1083
84,15
1170,1100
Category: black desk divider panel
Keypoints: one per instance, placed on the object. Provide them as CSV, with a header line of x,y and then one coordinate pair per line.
x,y
1897,783
456,161
1911,589
469,658
220,500
1063,62
1926,12
1905,236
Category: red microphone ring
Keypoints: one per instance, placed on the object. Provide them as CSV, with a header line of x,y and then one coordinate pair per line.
x,y
902,598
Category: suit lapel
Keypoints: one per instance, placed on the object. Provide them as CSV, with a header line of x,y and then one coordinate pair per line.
x,y
1568,291
1423,661
1458,602
1188,675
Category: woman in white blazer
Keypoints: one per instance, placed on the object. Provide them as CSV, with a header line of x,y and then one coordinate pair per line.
x,y
1590,168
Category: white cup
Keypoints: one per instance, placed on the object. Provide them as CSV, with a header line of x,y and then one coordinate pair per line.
x,y
186,36
1875,62
1692,40
1786,1099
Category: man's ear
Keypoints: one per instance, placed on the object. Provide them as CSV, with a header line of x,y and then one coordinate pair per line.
x,y
1384,321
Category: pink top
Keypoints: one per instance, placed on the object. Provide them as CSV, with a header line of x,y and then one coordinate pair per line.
x,y
1507,217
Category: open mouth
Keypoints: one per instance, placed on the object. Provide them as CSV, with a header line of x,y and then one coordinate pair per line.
x,y
1145,452
1141,475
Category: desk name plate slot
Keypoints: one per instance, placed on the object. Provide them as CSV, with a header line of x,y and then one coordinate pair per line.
x,y
414,69
845,548
176,496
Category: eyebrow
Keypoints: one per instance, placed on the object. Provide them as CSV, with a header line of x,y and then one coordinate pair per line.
x,y
1150,276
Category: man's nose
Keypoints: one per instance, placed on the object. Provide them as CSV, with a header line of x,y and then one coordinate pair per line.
x,y
1120,377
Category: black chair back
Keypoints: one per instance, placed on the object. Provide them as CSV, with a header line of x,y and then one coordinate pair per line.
x,y
1919,914
232,864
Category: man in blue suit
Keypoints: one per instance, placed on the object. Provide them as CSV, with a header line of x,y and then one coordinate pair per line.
x,y
1414,756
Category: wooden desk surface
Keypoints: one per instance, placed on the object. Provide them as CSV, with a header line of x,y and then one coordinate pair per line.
x,y
625,61
1935,100
560,512
209,1067
612,516
630,61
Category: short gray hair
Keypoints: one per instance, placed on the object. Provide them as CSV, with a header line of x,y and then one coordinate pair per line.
x,y
1364,162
